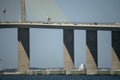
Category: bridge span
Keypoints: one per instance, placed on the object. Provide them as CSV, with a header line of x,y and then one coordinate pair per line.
x,y
89,26
68,39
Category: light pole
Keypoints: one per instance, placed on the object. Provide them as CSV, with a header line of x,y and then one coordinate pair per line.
x,y
4,13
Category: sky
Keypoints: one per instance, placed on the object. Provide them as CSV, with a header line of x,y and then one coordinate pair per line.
x,y
77,11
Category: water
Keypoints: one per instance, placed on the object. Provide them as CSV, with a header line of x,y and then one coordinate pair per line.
x,y
59,77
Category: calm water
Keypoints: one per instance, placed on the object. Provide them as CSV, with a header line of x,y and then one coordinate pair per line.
x,y
60,77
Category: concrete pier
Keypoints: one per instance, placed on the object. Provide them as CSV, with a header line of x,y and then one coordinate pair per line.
x,y
23,49
68,49
91,50
115,50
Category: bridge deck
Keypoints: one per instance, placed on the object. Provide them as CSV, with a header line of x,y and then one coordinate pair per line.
x,y
61,26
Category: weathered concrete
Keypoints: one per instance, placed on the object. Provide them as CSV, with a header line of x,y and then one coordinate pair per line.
x,y
91,50
68,49
115,50
23,49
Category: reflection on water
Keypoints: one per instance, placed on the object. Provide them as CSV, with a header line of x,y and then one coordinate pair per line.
x,y
60,77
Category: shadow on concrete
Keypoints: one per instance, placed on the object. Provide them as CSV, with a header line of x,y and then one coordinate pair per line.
x,y
91,41
23,37
116,42
69,42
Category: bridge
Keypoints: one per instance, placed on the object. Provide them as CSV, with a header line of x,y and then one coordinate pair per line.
x,y
68,39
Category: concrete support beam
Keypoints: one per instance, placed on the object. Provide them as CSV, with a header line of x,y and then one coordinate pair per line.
x,y
91,50
115,50
23,49
68,49
23,14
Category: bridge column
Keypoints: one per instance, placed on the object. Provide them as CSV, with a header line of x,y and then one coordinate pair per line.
x,y
115,50
91,47
23,14
23,49
68,49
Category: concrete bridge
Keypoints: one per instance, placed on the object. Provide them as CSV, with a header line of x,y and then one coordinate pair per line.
x,y
68,37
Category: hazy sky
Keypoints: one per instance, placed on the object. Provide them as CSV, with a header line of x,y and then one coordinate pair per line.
x,y
90,10
101,11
